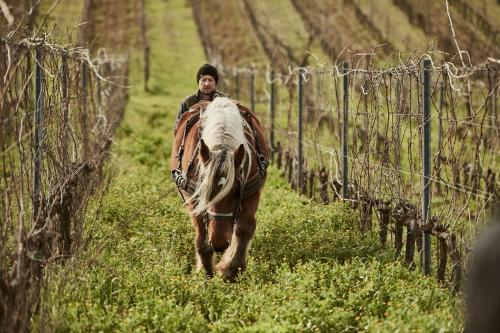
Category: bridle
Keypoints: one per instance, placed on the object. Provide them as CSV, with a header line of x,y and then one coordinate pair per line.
x,y
251,186
233,216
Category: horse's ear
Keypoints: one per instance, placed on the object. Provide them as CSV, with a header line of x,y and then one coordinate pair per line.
x,y
204,152
239,153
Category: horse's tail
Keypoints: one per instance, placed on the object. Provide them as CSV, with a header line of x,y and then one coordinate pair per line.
x,y
221,163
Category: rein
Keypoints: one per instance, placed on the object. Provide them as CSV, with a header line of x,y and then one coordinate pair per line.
x,y
252,185
179,177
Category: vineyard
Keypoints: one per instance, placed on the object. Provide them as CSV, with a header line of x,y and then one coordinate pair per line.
x,y
384,131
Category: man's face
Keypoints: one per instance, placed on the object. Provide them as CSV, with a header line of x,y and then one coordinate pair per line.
x,y
207,84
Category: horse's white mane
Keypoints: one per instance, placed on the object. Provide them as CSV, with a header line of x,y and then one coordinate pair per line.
x,y
222,125
223,132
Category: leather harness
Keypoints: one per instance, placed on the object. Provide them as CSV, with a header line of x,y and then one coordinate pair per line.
x,y
252,185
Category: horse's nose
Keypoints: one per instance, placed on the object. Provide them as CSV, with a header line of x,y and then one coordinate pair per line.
x,y
220,248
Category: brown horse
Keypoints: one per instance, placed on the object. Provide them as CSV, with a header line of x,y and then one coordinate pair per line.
x,y
219,160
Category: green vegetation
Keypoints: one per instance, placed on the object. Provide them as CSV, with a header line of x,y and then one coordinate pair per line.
x,y
289,28
309,268
394,25
62,18
489,9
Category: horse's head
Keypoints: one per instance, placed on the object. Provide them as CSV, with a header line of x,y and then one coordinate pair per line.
x,y
221,196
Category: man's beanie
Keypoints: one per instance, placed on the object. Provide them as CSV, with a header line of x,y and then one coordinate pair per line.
x,y
207,69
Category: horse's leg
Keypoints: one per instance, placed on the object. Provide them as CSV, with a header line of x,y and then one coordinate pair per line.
x,y
204,252
235,257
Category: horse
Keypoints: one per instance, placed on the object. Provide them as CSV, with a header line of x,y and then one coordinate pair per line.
x,y
219,161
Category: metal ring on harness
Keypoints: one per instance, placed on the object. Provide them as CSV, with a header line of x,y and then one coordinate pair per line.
x,y
263,163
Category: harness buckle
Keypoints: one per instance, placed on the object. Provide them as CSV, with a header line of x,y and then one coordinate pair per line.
x,y
179,178
262,165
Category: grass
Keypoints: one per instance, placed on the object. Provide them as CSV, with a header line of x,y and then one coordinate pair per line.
x,y
339,26
231,34
489,9
394,25
283,20
309,268
63,18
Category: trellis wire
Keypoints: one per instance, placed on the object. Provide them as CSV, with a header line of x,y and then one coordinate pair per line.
x,y
54,140
386,145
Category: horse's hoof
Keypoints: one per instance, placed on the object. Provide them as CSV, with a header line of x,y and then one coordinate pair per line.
x,y
228,273
230,279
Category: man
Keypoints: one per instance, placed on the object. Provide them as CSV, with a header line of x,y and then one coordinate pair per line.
x,y
207,78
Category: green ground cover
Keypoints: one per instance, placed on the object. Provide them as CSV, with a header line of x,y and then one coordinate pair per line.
x,y
394,25
62,18
490,11
309,268
285,22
